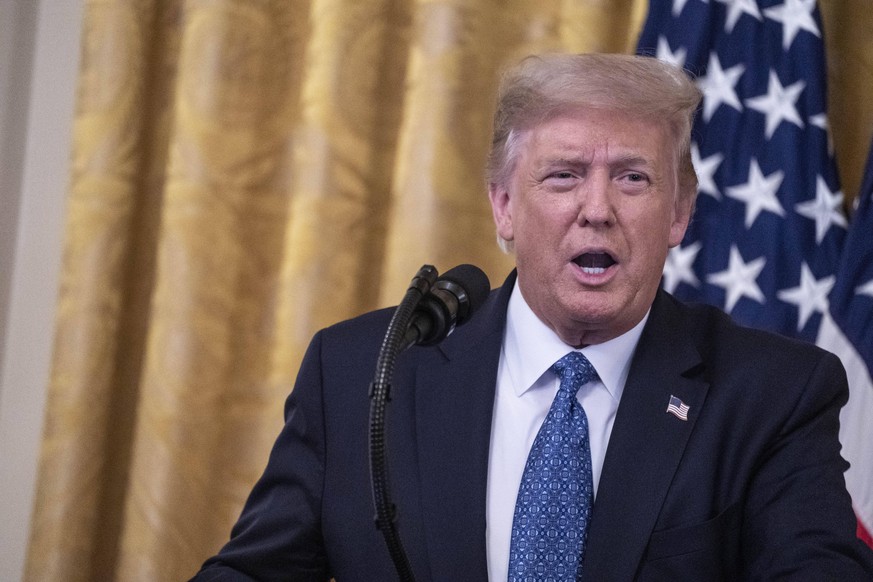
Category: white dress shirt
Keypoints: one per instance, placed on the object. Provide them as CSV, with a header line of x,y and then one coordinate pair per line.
x,y
524,393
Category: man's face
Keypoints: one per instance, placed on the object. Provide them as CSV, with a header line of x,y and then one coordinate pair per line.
x,y
592,207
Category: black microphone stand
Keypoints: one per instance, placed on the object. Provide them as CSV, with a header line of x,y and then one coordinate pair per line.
x,y
395,342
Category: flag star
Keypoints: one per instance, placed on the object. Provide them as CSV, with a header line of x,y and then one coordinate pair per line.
x,y
865,289
778,104
678,267
737,8
825,209
820,121
664,53
738,280
678,5
706,169
718,86
759,193
794,16
809,296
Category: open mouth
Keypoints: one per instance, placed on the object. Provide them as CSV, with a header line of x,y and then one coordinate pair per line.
x,y
594,263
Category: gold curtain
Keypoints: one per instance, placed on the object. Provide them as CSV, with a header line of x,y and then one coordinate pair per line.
x,y
243,173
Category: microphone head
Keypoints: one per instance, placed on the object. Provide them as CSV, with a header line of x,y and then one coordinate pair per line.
x,y
470,284
451,301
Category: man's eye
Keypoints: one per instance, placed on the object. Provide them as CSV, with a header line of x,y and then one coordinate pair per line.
x,y
562,175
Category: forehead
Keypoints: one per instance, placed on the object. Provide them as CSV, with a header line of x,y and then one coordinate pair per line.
x,y
597,132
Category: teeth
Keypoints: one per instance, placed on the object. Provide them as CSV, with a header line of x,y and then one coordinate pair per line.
x,y
593,270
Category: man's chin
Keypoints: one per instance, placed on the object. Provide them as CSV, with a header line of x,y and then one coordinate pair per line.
x,y
579,328
597,322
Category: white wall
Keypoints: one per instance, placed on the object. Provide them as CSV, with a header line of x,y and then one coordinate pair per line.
x,y
39,52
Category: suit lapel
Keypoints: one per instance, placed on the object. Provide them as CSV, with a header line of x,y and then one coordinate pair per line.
x,y
454,404
645,446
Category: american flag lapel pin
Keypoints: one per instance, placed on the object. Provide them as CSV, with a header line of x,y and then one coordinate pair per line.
x,y
678,408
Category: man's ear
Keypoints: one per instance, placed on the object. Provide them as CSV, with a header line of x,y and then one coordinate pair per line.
x,y
682,211
501,209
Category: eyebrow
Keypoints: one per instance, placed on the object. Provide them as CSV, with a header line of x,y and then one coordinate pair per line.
x,y
630,160
622,160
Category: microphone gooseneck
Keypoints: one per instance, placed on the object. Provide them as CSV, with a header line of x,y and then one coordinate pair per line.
x,y
431,309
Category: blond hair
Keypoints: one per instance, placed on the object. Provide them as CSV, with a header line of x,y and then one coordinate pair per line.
x,y
540,87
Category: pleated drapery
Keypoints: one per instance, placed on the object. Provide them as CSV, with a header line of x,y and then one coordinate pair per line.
x,y
245,172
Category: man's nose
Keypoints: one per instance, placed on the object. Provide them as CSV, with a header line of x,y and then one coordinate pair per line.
x,y
595,201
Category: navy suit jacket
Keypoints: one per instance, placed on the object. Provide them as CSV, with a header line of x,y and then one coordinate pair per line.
x,y
750,487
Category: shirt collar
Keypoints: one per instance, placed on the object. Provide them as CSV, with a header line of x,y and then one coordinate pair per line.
x,y
531,347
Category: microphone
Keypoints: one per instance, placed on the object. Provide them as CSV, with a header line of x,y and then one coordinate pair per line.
x,y
452,300
430,310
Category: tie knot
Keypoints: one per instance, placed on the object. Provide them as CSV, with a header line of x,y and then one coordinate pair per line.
x,y
574,370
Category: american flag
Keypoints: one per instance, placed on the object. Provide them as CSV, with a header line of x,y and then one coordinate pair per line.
x,y
678,408
769,231
848,332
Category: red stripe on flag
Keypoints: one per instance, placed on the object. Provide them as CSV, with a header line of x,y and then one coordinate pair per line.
x,y
864,535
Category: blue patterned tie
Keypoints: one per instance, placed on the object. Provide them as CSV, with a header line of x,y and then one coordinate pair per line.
x,y
556,492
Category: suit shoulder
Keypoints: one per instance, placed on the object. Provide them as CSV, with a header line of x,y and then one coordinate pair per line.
x,y
720,337
351,340
363,325
370,327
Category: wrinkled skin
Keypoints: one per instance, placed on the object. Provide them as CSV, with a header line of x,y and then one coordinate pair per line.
x,y
592,207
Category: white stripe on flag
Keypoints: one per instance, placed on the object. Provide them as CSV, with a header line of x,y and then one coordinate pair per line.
x,y
856,420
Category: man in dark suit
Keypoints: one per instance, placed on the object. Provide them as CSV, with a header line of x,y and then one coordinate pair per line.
x,y
706,451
